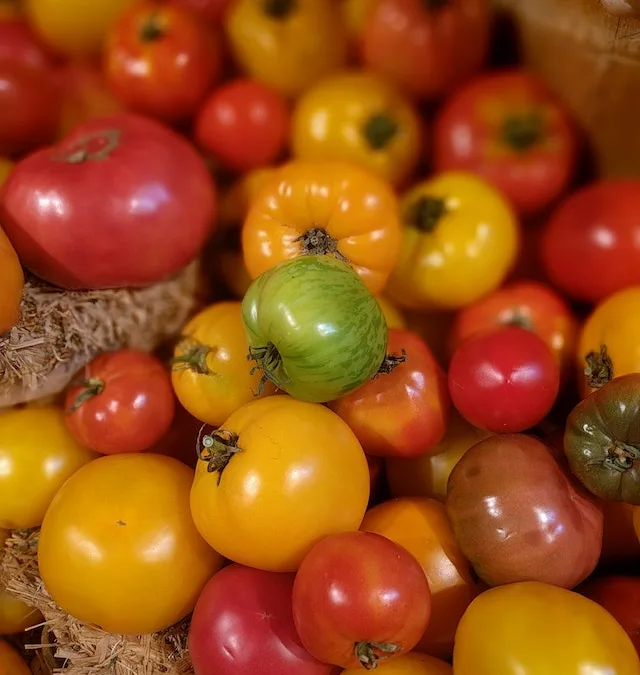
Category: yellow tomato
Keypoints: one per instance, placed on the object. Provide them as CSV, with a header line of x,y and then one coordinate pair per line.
x,y
409,664
531,628
285,44
360,118
6,165
16,616
461,239
392,314
11,663
37,455
11,284
118,547
278,476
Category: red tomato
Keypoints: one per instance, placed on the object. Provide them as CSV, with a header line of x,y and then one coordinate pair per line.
x,y
505,380
244,125
162,59
153,219
506,127
243,625
18,43
404,411
591,244
121,401
211,9
360,598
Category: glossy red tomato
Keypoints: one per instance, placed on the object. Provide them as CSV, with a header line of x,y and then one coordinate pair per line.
x,y
404,411
506,127
18,43
213,10
591,243
505,380
121,401
122,201
243,625
360,598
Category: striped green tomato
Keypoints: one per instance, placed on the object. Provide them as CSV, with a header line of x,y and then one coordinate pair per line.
x,y
313,328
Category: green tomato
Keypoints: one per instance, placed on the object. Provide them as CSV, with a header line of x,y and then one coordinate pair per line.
x,y
313,328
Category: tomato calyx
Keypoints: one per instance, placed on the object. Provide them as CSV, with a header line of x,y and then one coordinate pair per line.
x,y
278,9
379,130
94,147
621,456
599,368
317,241
269,361
217,450
369,653
91,387
521,132
151,29
390,363
518,320
193,358
425,213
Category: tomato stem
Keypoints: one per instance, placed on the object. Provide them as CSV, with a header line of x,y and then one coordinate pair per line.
x,y
217,450
317,241
519,320
79,152
151,28
599,368
425,213
521,132
278,9
621,456
390,363
379,130
91,387
369,653
194,358
269,361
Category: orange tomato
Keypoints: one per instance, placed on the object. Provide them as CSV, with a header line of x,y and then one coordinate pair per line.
x,y
11,284
11,663
324,207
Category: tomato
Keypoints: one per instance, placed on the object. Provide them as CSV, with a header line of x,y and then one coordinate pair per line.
x,y
358,117
324,207
211,376
11,663
11,284
517,516
422,527
590,245
404,411
392,314
460,241
236,200
162,60
243,625
358,599
284,44
18,43
619,541
212,10
118,547
155,218
434,327
530,305
278,461
37,454
428,48
623,8
324,346
508,128
354,16
409,664
15,616
10,10
376,473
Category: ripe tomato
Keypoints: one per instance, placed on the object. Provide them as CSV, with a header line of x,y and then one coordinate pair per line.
x,y
284,44
404,411
460,241
11,663
428,48
162,60
409,664
213,10
243,625
324,207
591,244
508,128
573,635
118,547
19,43
505,380
37,455
518,516
278,460
392,314
11,284
358,117
320,348
422,527
155,218
211,375
15,616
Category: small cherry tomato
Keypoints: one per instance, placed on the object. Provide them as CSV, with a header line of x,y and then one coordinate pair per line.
x,y
11,663
409,664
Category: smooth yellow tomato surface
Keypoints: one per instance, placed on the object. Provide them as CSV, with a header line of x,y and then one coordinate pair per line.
x,y
11,663
409,664
15,615
531,628
392,314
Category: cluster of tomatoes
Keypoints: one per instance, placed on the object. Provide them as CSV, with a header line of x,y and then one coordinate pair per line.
x,y
405,438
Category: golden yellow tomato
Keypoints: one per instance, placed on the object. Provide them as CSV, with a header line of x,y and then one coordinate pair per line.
x,y
15,615
392,314
37,455
279,475
531,628
461,239
412,663
358,117
11,663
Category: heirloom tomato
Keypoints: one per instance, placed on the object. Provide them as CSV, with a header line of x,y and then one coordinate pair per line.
x,y
324,208
154,219
16,616
358,117
427,47
285,44
422,527
118,547
573,635
213,10
506,127
11,663
460,241
409,664
243,625
19,43
122,401
360,599
313,328
404,410
37,455
518,516
279,475
211,375
11,284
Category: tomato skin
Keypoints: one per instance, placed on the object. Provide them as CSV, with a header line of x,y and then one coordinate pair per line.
x,y
356,588
11,663
409,664
213,10
403,413
620,543
229,633
19,43
11,283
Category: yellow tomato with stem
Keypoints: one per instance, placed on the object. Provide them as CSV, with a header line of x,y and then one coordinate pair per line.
x,y
392,314
412,663
461,239
358,117
11,663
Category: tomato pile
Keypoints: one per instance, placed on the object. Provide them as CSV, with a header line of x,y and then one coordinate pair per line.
x,y
402,433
